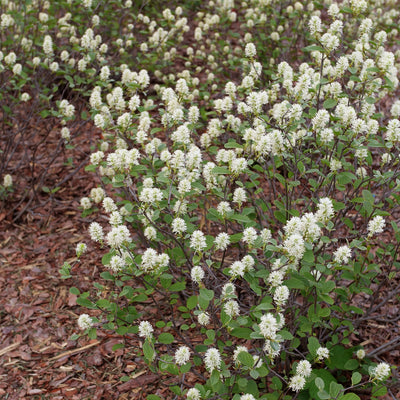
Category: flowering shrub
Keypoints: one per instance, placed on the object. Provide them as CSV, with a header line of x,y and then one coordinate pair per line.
x,y
249,169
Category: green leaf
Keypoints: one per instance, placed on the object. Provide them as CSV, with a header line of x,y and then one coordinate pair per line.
x,y
220,171
246,359
241,218
351,364
148,351
356,378
323,395
233,145
242,333
319,383
334,389
329,103
313,48
177,287
166,338
349,396
191,302
117,346
207,294
313,346
74,290
84,302
370,100
344,178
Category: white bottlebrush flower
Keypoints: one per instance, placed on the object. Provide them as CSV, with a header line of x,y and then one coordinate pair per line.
x,y
109,205
238,165
325,210
85,322
118,236
247,396
212,359
304,368
360,354
342,255
54,66
376,225
150,232
276,278
197,274
193,394
268,326
86,203
272,348
117,263
237,269
80,249
198,241
228,290
335,165
248,262
222,241
239,196
97,157
17,69
297,383
322,353
48,45
315,25
178,226
265,235
7,181
150,195
250,50
25,97
281,295
381,371
182,355
145,330
249,236
232,309
184,186
294,245
224,208
115,218
96,232
99,121
203,318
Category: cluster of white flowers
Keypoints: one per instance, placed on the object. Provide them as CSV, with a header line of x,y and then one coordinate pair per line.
x,y
7,181
150,195
198,241
118,236
342,255
376,225
203,318
66,109
197,274
212,359
182,355
222,241
146,330
381,371
152,261
269,326
322,353
85,322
